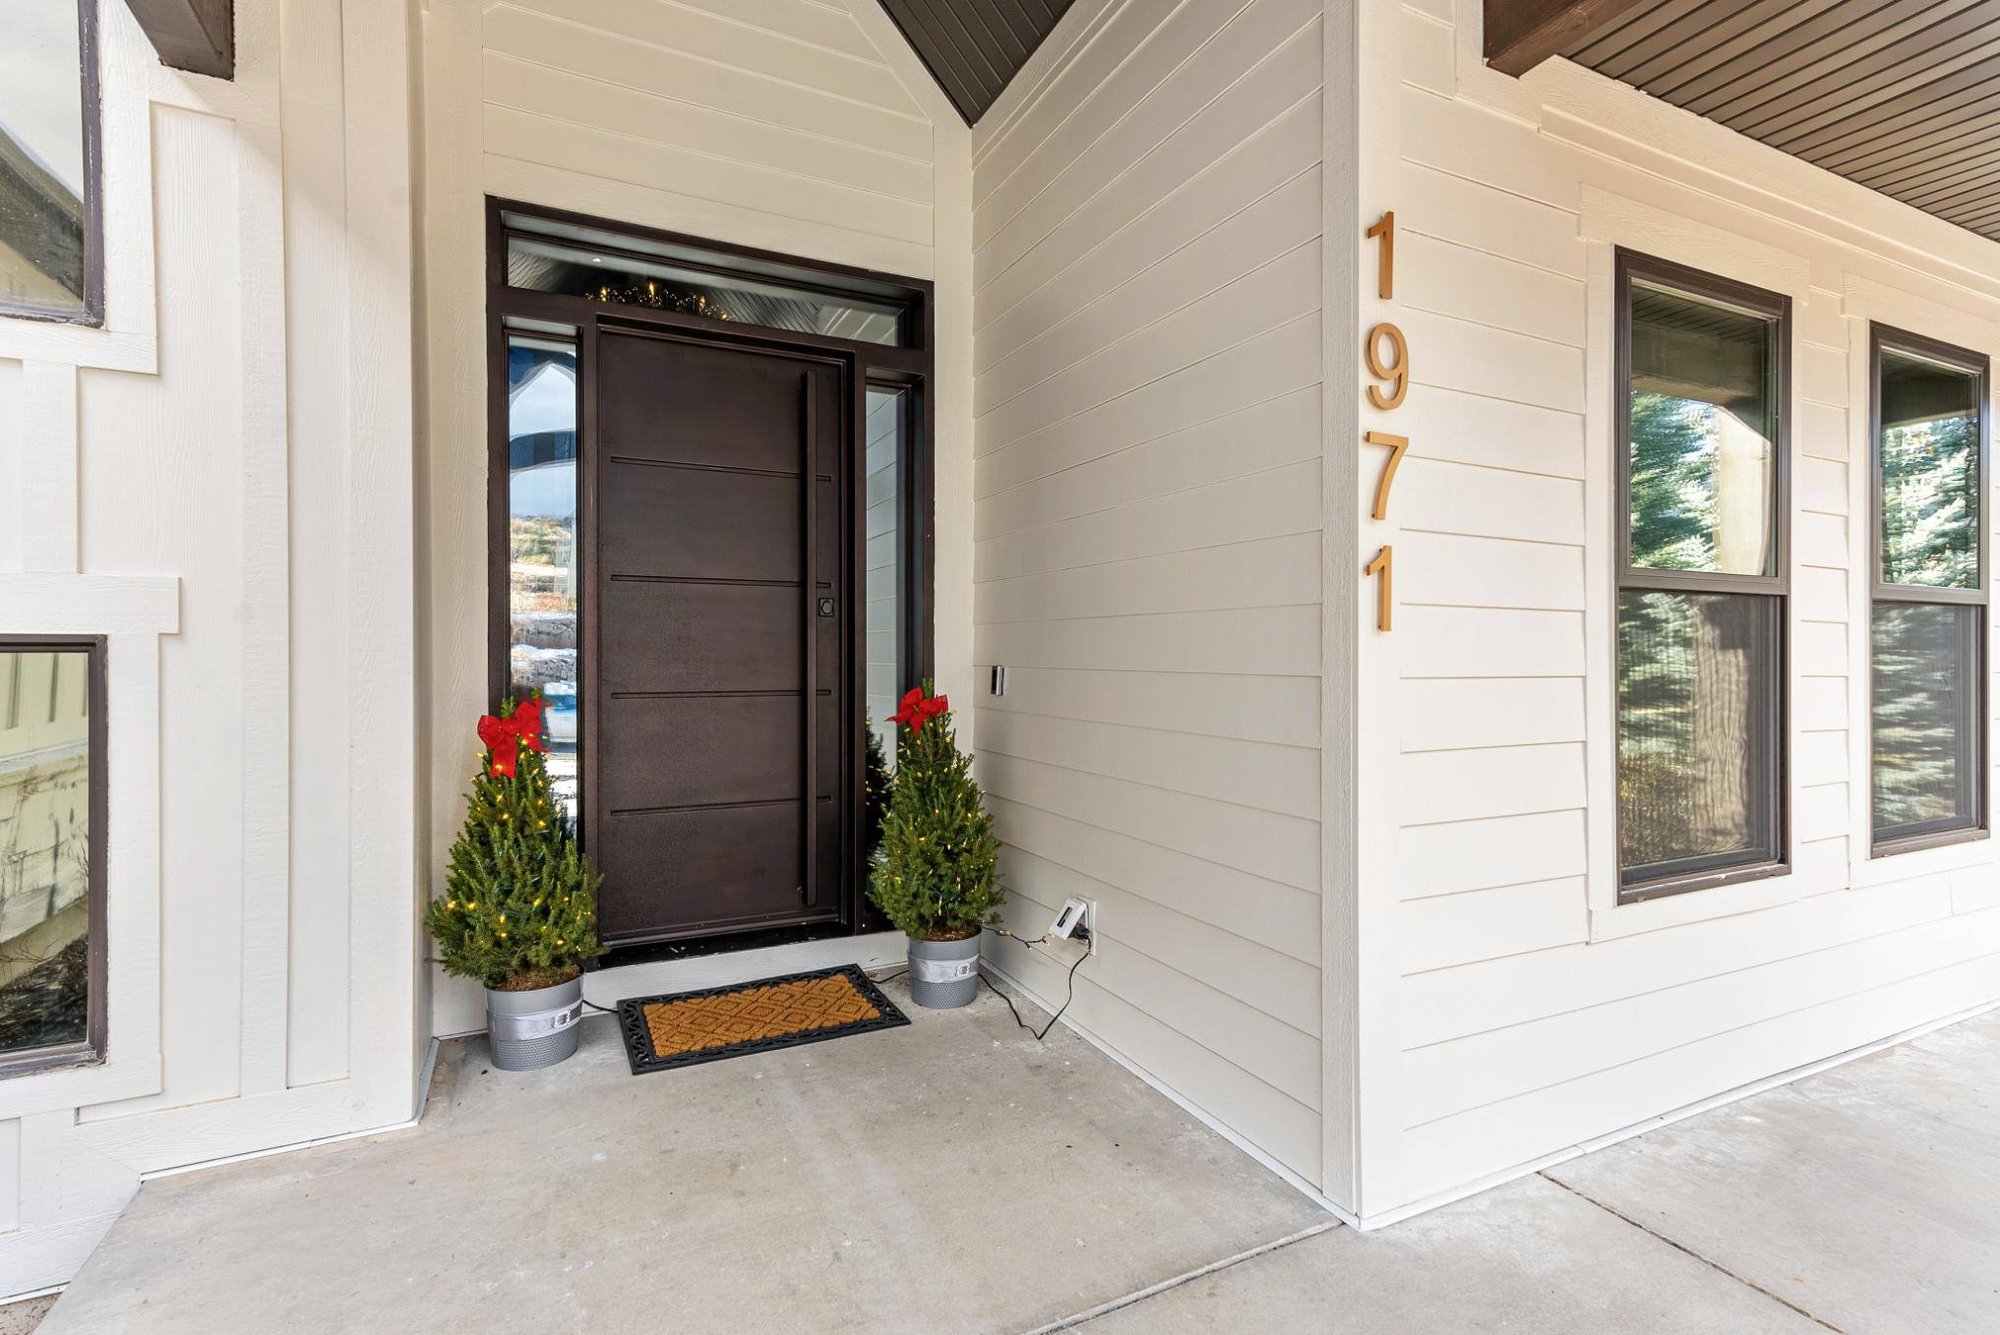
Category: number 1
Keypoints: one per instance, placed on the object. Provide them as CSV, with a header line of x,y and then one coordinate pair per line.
x,y
1383,565
1385,230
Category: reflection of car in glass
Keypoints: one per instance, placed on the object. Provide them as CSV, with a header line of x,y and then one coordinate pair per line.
x,y
559,701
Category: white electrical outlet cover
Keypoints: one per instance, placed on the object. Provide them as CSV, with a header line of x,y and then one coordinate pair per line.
x,y
1066,921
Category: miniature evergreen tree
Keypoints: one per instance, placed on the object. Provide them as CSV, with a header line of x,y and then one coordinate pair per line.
x,y
520,905
937,870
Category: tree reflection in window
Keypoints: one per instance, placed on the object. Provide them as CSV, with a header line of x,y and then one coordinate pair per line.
x,y
1927,701
1930,474
1701,597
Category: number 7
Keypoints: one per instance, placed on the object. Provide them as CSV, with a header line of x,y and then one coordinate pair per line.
x,y
1398,447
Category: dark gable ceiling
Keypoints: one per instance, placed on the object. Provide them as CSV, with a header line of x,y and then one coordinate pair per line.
x,y
974,47
1902,96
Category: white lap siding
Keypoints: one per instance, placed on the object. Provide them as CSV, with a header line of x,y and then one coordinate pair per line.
x,y
1526,1012
1148,433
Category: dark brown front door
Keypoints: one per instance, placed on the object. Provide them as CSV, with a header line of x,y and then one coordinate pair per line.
x,y
716,629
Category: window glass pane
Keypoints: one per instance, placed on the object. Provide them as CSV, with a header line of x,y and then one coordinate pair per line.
x,y
887,429
664,284
42,161
543,577
1926,717
1930,473
44,849
1704,416
1697,719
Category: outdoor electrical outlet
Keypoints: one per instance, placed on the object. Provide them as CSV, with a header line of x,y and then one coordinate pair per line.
x,y
1077,922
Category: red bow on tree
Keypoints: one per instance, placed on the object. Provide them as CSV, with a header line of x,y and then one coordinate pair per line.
x,y
917,707
505,737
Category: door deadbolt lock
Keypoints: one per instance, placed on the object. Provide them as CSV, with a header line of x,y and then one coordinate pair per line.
x,y
826,607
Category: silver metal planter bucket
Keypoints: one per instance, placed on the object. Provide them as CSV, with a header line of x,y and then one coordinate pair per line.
x,y
944,974
530,1030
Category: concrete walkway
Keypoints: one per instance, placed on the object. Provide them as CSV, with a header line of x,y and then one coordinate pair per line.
x,y
1865,1199
956,1176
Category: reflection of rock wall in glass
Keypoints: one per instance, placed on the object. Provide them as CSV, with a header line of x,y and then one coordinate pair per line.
x,y
44,849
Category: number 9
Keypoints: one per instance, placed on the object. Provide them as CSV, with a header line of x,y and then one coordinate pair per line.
x,y
1397,370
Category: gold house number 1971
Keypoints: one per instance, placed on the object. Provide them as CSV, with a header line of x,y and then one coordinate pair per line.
x,y
1387,354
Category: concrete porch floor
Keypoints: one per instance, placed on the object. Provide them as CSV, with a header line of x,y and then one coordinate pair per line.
x,y
956,1176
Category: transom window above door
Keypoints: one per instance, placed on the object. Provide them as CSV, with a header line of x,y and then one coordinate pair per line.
x,y
574,259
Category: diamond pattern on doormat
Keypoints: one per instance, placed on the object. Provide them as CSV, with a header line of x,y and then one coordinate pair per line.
x,y
686,1028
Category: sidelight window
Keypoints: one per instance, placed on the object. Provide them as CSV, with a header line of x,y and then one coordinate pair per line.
x,y
888,430
1928,624
1702,583
50,266
543,587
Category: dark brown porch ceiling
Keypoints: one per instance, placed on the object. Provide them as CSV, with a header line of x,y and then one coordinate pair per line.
x,y
1900,95
974,47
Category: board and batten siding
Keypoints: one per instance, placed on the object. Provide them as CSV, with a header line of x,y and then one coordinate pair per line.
x,y
1527,1013
219,482
1148,438
806,127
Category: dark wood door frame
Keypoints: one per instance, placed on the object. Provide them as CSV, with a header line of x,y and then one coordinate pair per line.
x,y
866,365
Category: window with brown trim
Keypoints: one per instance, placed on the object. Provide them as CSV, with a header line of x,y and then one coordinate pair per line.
x,y
1703,484
1927,632
51,853
51,261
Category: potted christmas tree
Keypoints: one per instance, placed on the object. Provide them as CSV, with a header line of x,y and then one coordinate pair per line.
x,y
520,906
936,873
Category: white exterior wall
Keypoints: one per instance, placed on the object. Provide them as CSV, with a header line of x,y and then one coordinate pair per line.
x,y
798,126
219,481
1509,1011
1148,432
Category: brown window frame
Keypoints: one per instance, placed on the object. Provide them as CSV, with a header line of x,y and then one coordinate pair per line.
x,y
1776,587
92,1049
1881,337
92,313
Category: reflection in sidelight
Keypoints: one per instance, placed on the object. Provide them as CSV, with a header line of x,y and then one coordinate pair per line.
x,y
1926,717
888,444
45,162
543,576
1703,468
1697,732
1930,473
45,849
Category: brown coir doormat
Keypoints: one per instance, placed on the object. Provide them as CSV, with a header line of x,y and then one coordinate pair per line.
x,y
687,1028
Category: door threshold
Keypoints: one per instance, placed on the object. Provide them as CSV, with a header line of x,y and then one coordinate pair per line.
x,y
695,947
730,960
